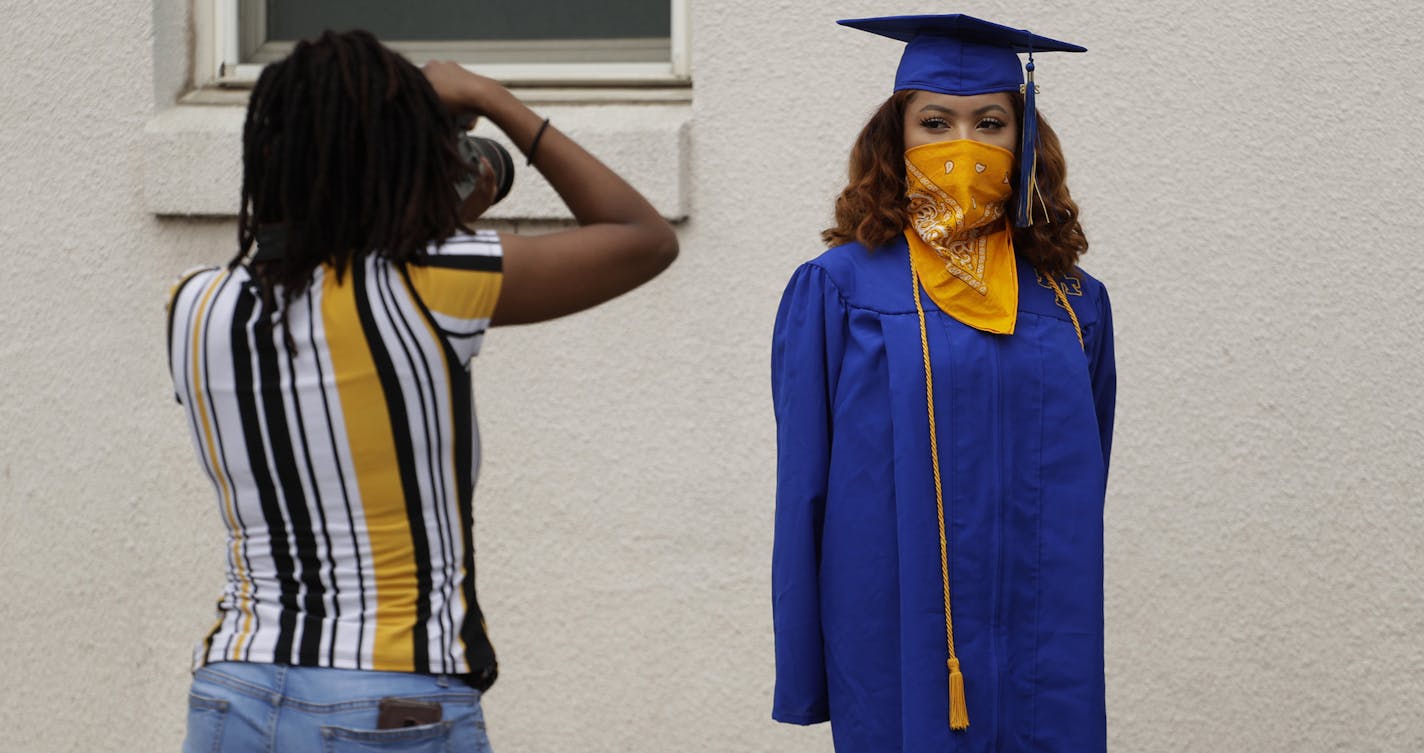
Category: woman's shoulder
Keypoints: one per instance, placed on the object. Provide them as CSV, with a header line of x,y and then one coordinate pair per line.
x,y
864,277
850,259
1092,286
193,278
481,249
1039,294
1078,283
1094,292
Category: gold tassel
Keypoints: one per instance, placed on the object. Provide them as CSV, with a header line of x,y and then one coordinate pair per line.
x,y
958,710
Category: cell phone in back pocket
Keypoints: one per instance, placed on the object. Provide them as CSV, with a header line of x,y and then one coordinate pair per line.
x,y
399,712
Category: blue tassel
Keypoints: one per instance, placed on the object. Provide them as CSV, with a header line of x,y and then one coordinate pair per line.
x,y
1028,153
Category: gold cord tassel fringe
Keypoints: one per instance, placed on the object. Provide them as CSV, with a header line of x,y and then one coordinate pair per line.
x,y
958,709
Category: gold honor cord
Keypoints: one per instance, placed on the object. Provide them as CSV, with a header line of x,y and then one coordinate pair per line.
x,y
958,711
1063,300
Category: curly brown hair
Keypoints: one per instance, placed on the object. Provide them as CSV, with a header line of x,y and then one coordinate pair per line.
x,y
872,208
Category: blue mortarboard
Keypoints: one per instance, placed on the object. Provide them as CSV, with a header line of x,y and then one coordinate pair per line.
x,y
962,55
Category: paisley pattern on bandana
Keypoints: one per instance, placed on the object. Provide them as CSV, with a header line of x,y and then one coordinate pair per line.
x,y
958,233
953,212
942,223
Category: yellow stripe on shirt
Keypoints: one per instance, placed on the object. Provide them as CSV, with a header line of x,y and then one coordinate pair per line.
x,y
456,293
378,479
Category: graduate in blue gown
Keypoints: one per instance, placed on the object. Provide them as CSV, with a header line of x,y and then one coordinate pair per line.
x,y
943,381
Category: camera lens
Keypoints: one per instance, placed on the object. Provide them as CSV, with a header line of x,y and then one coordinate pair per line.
x,y
472,148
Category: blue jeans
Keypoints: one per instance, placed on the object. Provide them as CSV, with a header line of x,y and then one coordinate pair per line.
x,y
236,707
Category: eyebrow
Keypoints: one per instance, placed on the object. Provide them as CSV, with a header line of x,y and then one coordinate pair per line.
x,y
950,111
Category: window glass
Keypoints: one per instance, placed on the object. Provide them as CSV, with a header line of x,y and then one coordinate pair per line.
x,y
472,31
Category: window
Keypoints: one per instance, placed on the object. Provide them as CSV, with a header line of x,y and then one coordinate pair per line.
x,y
613,78
520,42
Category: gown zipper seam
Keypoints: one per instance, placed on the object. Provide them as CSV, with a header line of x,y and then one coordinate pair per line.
x,y
994,617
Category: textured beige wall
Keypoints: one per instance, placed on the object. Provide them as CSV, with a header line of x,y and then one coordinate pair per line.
x,y
1250,181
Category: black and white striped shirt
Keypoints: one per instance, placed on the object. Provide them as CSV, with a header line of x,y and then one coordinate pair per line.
x,y
344,467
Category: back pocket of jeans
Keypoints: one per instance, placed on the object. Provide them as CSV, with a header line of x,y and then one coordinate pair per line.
x,y
427,738
205,724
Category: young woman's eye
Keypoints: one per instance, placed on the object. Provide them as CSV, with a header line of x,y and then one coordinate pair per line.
x,y
991,124
934,122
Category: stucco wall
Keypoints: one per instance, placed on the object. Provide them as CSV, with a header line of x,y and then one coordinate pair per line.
x,y
1250,181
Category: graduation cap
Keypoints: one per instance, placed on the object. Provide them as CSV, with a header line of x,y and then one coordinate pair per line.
x,y
962,55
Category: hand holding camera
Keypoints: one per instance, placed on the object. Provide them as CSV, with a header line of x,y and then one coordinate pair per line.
x,y
621,241
464,93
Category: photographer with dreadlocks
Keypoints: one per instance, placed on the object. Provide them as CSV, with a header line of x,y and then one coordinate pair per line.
x,y
324,373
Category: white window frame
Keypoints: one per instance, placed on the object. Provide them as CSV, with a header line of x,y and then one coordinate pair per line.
x,y
217,57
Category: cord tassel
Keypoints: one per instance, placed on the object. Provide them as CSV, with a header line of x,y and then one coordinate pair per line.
x,y
1028,152
958,709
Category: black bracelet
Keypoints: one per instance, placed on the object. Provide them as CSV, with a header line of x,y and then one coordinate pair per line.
x,y
534,145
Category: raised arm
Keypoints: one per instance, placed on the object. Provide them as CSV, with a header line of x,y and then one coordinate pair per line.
x,y
621,241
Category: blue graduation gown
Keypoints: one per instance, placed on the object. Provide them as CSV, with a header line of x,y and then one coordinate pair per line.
x,y
1025,427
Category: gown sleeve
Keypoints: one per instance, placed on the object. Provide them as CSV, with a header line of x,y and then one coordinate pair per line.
x,y
1102,369
807,347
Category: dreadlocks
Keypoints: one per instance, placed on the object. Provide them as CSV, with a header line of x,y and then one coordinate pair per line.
x,y
347,148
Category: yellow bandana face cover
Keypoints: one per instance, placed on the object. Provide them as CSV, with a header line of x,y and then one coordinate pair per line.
x,y
959,237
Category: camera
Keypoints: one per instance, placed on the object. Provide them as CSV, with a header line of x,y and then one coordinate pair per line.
x,y
472,148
